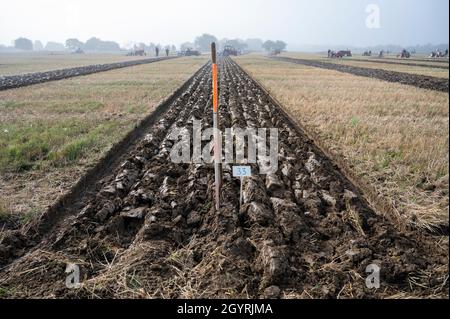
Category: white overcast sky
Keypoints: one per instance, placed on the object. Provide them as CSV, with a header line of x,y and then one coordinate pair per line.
x,y
298,22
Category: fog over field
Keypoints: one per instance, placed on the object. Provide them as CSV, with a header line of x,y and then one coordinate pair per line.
x,y
301,24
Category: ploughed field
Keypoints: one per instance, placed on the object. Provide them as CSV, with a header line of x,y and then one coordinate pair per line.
x,y
432,65
15,81
417,80
52,133
32,62
149,227
433,68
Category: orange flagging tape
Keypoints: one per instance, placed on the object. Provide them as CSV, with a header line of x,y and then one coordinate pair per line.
x,y
214,75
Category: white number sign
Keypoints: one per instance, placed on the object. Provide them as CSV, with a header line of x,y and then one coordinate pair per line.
x,y
242,171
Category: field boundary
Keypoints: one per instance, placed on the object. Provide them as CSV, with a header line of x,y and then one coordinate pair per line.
x,y
420,81
16,81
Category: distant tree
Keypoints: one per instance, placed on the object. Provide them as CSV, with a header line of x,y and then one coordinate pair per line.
x,y
54,46
186,45
93,44
38,46
23,44
109,46
173,48
280,45
254,44
140,46
151,48
221,43
203,42
74,44
269,45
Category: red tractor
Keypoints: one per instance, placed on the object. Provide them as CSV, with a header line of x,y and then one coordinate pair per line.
x,y
140,52
340,54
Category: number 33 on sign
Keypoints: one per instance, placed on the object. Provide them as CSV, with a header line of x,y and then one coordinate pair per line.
x,y
242,171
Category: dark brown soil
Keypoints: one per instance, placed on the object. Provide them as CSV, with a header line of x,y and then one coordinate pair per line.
x,y
151,229
421,81
445,60
432,66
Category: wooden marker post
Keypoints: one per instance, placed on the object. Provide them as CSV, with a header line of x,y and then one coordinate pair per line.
x,y
216,126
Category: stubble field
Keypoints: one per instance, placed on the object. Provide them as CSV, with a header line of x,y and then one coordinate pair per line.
x,y
393,137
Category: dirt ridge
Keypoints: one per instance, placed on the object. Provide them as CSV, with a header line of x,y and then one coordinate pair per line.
x,y
420,81
401,63
16,81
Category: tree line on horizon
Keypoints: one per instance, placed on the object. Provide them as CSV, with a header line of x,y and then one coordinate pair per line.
x,y
201,43
93,44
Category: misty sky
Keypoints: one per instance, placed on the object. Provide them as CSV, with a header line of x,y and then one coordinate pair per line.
x,y
298,22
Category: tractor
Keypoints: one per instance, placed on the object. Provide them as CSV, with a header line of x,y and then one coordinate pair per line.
x,y
189,52
404,54
228,50
340,54
139,52
439,54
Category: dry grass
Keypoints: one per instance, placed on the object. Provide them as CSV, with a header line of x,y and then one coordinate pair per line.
x,y
20,63
416,59
135,274
51,133
394,138
422,70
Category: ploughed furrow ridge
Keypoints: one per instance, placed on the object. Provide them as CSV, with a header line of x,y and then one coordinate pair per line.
x,y
420,81
432,66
